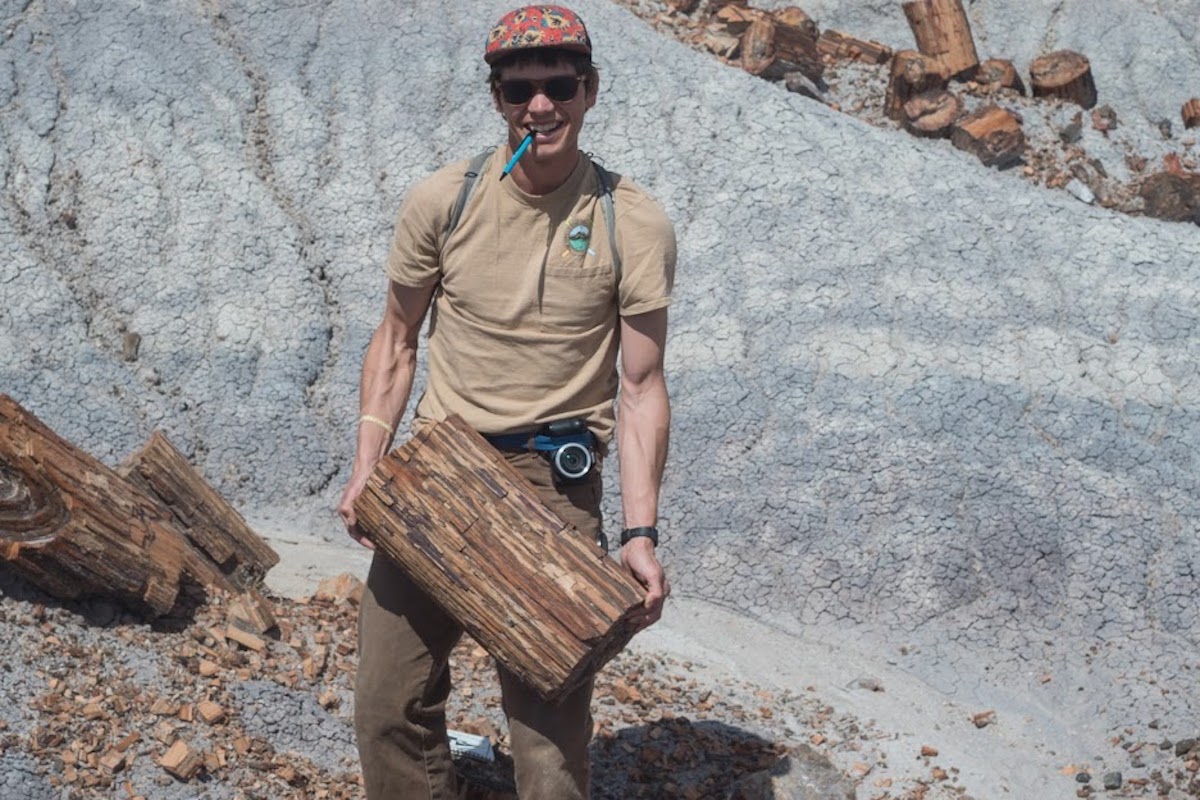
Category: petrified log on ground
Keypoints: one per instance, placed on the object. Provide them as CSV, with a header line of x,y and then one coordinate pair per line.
x,y
468,529
943,33
74,527
772,49
1191,113
911,74
837,45
930,115
1064,74
210,522
993,134
998,73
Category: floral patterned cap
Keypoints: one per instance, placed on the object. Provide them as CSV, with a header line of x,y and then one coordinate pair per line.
x,y
537,26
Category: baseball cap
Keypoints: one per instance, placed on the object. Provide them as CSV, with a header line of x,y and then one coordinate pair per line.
x,y
537,26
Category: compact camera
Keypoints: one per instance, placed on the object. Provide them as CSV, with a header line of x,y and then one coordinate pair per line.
x,y
572,461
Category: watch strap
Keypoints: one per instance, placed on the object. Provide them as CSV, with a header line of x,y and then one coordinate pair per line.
x,y
648,531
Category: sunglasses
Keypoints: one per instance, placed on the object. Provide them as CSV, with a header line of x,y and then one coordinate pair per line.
x,y
560,89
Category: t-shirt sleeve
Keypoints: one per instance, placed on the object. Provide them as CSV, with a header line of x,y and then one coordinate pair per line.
x,y
414,257
646,240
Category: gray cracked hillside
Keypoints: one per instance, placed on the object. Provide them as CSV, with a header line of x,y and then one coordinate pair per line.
x,y
915,401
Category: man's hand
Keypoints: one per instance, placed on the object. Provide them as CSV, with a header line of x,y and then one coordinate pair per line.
x,y
638,557
345,507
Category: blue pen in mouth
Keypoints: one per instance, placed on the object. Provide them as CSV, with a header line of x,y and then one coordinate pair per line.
x,y
516,156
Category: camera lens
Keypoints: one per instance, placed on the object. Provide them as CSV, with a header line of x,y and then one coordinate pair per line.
x,y
572,460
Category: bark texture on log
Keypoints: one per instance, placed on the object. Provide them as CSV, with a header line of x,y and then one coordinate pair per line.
x,y
837,45
911,74
74,527
997,73
1191,113
1064,74
991,133
930,115
468,529
205,517
943,33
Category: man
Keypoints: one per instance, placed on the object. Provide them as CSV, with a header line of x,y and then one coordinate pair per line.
x,y
529,307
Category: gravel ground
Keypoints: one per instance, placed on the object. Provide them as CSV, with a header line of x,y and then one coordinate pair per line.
x,y
86,680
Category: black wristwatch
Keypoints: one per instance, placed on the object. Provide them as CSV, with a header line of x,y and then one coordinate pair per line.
x,y
649,531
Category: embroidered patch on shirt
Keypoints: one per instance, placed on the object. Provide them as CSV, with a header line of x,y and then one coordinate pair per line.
x,y
579,233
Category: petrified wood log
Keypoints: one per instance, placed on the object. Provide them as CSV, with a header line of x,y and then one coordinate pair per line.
x,y
796,46
1191,113
998,73
467,528
943,33
911,74
205,517
772,49
1065,74
74,527
930,115
837,45
993,134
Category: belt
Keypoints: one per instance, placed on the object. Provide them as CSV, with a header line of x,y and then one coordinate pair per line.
x,y
539,441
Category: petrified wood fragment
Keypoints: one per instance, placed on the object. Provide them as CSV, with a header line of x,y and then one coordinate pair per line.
x,y
911,74
993,134
1064,74
931,114
998,73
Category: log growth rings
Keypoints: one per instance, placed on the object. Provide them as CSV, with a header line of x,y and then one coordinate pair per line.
x,y
31,510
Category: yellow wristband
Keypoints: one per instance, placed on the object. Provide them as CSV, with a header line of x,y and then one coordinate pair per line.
x,y
377,421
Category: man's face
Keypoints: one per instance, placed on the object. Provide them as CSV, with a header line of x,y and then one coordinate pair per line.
x,y
557,122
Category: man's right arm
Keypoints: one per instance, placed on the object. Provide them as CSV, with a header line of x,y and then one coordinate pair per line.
x,y
387,378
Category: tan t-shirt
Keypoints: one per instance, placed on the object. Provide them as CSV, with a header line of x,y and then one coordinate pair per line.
x,y
524,327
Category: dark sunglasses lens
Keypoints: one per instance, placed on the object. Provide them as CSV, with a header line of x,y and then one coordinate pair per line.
x,y
516,92
562,89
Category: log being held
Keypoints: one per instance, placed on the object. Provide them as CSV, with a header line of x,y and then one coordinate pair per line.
x,y
470,531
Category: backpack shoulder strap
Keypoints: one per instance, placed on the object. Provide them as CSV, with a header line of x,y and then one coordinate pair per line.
x,y
610,217
470,178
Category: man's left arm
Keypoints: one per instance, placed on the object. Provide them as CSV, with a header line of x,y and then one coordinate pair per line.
x,y
643,431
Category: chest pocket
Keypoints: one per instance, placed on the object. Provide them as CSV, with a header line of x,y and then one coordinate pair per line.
x,y
578,297
579,288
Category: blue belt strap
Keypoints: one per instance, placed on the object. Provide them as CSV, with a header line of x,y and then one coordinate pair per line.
x,y
538,441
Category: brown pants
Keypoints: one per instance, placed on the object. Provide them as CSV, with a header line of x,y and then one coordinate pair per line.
x,y
403,681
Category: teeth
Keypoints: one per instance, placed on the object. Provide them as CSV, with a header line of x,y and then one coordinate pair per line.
x,y
543,128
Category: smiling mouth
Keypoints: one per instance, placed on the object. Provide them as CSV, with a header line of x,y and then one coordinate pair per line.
x,y
545,131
